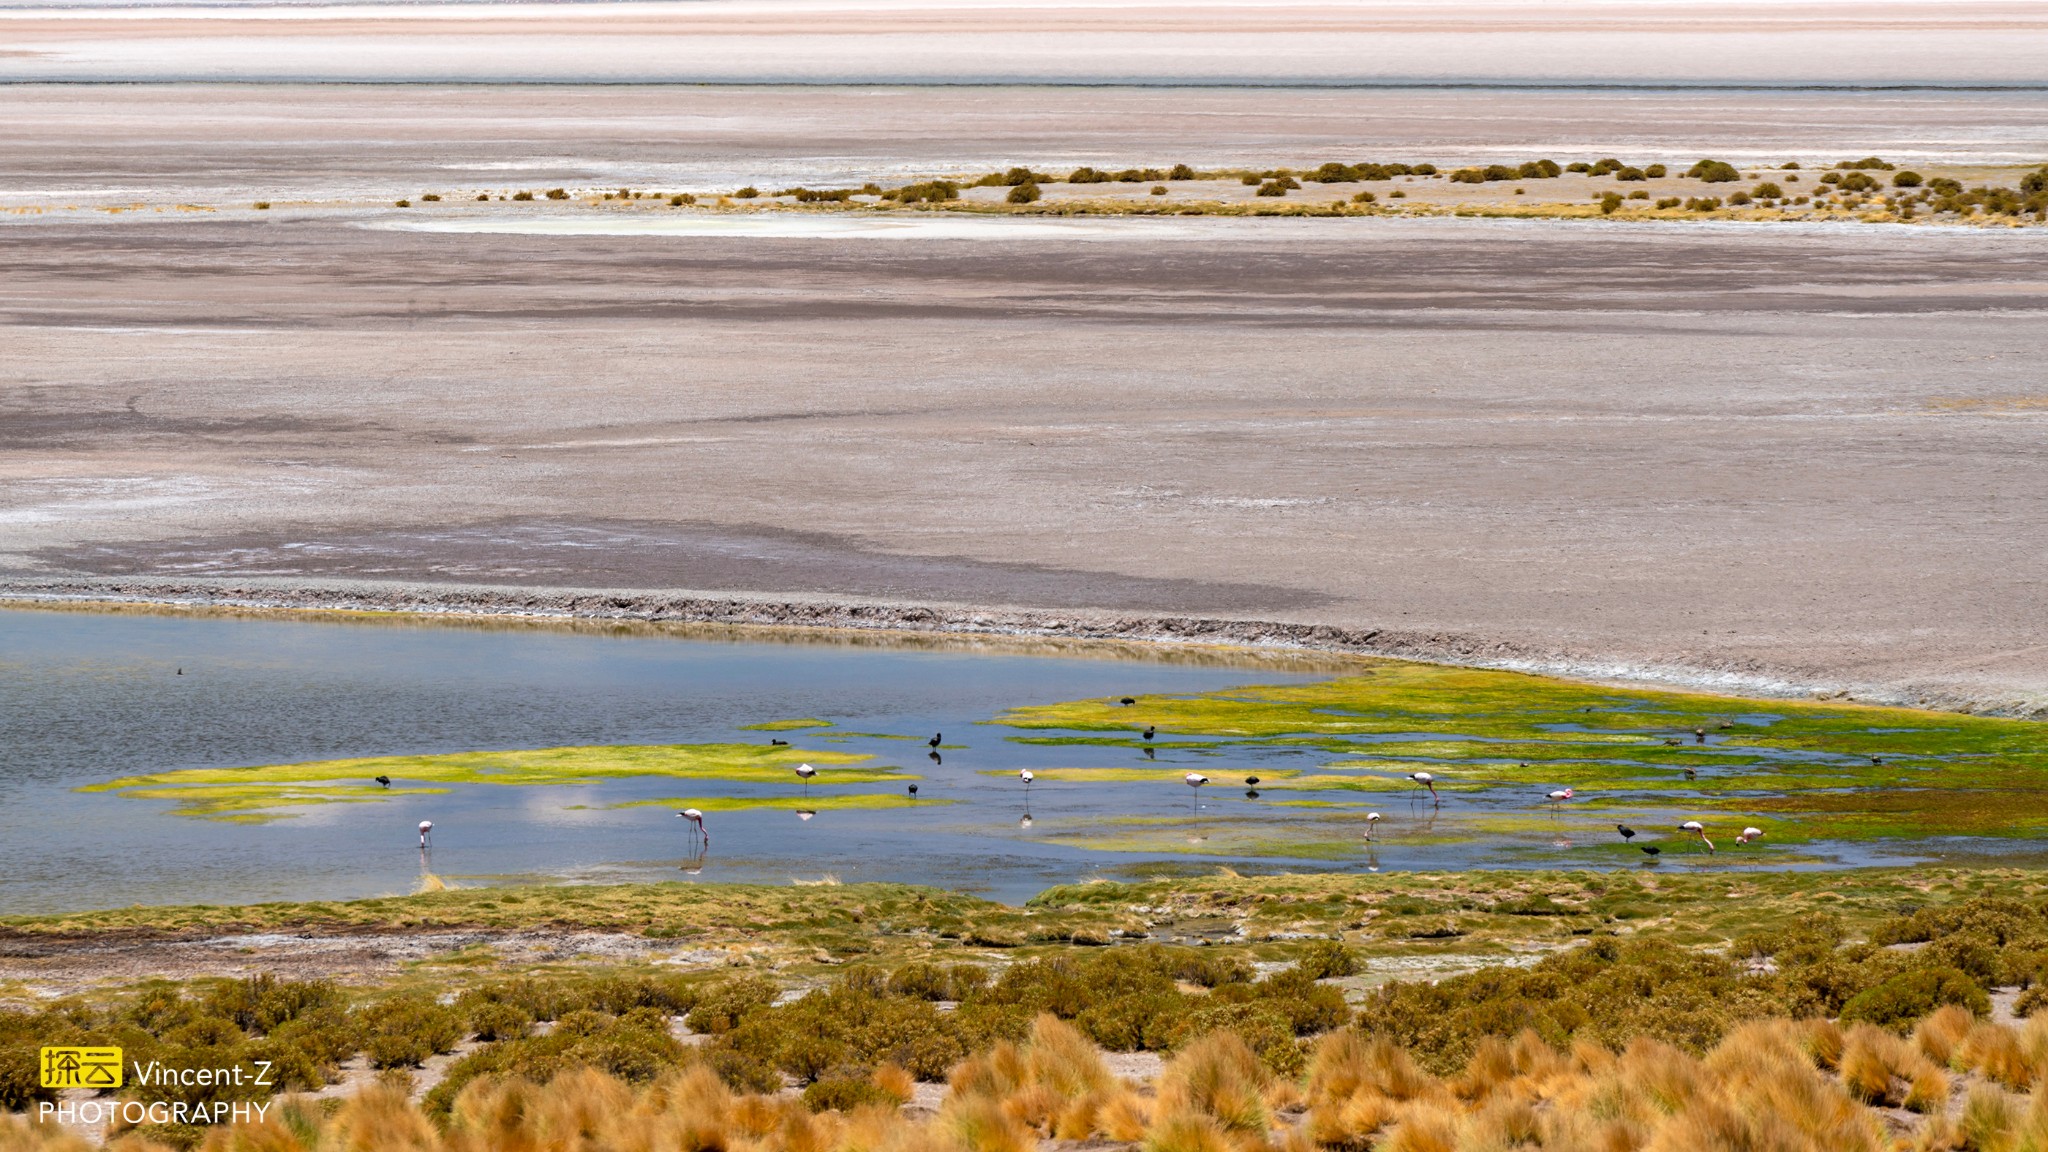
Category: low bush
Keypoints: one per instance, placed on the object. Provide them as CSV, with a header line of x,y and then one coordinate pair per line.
x,y
1868,162
747,193
1181,172
1906,179
403,1031
1022,194
1769,191
1714,172
557,193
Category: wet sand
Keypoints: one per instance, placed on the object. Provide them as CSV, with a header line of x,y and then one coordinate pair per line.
x,y
1807,456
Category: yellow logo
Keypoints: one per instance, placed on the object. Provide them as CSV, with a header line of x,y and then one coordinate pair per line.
x,y
81,1067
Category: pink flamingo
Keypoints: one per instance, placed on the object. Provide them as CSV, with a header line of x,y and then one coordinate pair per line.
x,y
1427,781
426,833
696,820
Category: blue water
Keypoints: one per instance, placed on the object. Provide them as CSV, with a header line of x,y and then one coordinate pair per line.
x,y
87,697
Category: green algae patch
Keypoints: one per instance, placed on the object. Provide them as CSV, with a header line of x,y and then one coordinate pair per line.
x,y
831,802
222,791
245,804
1164,774
786,725
1189,836
1821,770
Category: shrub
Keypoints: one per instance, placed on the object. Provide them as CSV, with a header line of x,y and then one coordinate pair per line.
x,y
1023,194
1769,191
747,193
680,199
262,205
1631,175
928,191
1422,170
1702,204
1639,194
1539,170
1738,198
1159,190
1603,167
1714,172
1251,180
403,1031
1272,188
1656,171
522,195
721,1007
483,196
1087,175
1365,198
1906,179
1468,176
1789,166
1859,182
1669,202
1868,162
401,203
843,1089
1610,203
1325,959
1578,166
1903,999
1181,172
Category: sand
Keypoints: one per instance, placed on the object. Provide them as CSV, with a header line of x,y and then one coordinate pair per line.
x,y
1775,458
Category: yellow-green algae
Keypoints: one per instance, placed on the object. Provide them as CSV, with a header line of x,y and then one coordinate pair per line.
x,y
1827,770
837,801
232,792
786,725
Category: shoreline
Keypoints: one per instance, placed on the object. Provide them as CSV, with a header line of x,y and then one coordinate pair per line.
x,y
865,615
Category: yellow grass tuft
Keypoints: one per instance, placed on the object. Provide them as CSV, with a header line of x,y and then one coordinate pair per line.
x,y
1938,1035
1217,1076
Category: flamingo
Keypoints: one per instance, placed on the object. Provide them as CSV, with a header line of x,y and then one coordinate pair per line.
x,y
1749,834
1025,775
805,814
1560,796
426,833
1195,780
696,820
1697,829
804,772
1427,781
1371,818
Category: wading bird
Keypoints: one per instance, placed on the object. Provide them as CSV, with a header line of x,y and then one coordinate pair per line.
x,y
383,780
1699,735
913,791
1651,850
1560,796
1627,833
1877,759
1691,775
933,743
1127,701
1025,775
1195,780
804,772
1427,781
1749,834
1149,729
426,833
778,743
1371,818
697,829
1251,781
1697,829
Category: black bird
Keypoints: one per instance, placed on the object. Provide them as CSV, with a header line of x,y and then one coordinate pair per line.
x,y
1691,775
1627,833
384,780
780,743
1699,735
1251,781
1128,700
1877,759
1651,849
913,791
933,743
1148,731
181,671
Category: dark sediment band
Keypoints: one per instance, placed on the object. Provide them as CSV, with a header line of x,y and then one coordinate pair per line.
x,y
845,613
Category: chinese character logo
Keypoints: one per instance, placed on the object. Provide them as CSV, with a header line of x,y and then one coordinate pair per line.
x,y
81,1067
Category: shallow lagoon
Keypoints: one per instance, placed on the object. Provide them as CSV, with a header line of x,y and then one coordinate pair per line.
x,y
134,746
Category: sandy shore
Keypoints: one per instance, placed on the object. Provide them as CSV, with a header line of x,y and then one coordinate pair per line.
x,y
1801,456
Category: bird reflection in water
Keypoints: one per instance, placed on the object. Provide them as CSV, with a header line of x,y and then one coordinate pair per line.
x,y
805,814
